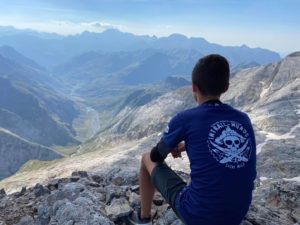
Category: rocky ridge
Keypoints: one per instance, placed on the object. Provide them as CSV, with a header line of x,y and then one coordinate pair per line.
x,y
92,199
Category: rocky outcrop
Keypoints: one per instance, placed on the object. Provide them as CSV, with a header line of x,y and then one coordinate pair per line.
x,y
104,199
275,202
79,199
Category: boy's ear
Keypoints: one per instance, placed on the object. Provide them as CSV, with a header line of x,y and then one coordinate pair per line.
x,y
194,87
226,87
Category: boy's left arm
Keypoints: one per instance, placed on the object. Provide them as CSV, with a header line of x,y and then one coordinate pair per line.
x,y
170,142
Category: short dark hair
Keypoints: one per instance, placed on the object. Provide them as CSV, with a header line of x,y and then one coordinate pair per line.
x,y
211,75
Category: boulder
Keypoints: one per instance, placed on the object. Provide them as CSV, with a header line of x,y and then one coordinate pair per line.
x,y
118,208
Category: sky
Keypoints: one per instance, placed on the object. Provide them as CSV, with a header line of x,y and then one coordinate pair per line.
x,y
271,24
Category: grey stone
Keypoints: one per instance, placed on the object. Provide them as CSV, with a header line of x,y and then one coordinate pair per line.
x,y
80,174
96,178
2,193
26,220
40,190
81,211
134,199
158,199
69,212
245,222
74,179
178,222
23,190
89,196
69,191
113,191
118,208
135,188
167,218
72,190
62,182
266,216
118,181
296,214
53,184
92,184
43,215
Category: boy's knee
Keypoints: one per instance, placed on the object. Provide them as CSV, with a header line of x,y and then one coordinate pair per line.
x,y
147,162
146,157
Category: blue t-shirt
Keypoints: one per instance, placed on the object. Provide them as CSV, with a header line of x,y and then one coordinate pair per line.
x,y
220,145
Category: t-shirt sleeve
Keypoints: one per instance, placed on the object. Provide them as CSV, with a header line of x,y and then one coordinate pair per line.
x,y
174,132
173,135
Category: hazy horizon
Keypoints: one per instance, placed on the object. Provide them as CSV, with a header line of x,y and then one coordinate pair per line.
x,y
265,24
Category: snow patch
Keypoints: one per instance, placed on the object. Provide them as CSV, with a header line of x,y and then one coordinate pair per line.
x,y
259,147
264,178
264,91
292,179
273,136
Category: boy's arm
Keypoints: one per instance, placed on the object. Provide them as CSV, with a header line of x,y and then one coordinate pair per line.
x,y
177,151
173,135
159,152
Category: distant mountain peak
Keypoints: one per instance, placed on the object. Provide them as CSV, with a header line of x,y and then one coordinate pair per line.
x,y
294,54
112,31
178,36
244,46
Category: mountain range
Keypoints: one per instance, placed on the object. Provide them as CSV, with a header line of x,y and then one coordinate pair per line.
x,y
104,98
50,50
51,84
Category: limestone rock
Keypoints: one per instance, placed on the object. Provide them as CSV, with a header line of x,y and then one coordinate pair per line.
x,y
80,174
26,220
40,190
113,191
118,208
2,193
134,199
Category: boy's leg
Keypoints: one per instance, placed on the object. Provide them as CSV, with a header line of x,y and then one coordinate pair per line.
x,y
161,177
147,189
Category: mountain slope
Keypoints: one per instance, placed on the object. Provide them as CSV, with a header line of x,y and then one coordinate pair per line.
x,y
271,95
15,151
10,53
23,114
50,93
273,91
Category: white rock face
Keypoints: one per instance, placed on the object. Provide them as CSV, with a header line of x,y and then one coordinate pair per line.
x,y
271,96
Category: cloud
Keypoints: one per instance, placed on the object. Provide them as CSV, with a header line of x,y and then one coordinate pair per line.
x,y
64,27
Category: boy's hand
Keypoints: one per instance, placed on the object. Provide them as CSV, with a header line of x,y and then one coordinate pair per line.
x,y
176,152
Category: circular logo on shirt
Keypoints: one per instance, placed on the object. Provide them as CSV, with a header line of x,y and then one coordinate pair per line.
x,y
229,143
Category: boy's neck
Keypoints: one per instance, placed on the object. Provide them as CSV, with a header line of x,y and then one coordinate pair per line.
x,y
202,99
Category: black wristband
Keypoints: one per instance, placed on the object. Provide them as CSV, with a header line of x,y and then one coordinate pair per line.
x,y
159,152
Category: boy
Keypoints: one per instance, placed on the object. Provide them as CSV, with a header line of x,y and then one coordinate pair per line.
x,y
220,144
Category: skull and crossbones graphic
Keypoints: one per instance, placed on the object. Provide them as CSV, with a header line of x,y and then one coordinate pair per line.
x,y
229,146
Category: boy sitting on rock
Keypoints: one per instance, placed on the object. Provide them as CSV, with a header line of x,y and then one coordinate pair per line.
x,y
220,144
